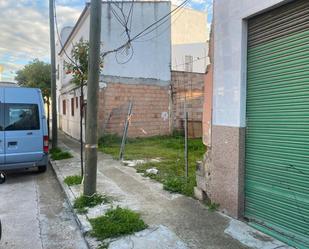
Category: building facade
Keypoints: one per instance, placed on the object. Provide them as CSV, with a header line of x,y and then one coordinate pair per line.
x,y
190,38
141,74
256,166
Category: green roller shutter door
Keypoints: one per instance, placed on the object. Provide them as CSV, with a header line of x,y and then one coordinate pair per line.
x,y
277,138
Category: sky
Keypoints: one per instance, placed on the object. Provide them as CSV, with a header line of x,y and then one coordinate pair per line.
x,y
24,26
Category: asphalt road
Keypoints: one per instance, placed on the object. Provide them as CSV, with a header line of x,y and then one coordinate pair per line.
x,y
35,214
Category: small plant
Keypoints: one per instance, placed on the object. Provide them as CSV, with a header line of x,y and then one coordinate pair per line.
x,y
103,245
117,222
174,184
84,202
212,206
73,180
58,154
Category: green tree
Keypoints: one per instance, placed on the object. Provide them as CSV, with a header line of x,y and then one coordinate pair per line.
x,y
78,68
37,74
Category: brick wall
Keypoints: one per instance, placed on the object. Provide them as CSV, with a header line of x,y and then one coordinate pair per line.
x,y
188,87
149,114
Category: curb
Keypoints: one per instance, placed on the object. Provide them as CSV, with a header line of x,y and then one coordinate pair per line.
x,y
69,195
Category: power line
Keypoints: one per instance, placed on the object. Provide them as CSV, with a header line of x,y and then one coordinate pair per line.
x,y
161,19
59,38
187,63
163,31
150,29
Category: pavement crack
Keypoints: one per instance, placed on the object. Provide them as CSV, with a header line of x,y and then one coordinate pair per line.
x,y
38,214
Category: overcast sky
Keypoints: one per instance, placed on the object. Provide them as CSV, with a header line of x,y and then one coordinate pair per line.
x,y
25,29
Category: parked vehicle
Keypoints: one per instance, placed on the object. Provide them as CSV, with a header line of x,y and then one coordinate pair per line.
x,y
23,129
2,180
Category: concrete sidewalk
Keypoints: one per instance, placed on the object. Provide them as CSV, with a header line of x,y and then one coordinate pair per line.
x,y
175,221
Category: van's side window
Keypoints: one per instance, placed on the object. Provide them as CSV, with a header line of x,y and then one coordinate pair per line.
x,y
1,117
20,117
64,107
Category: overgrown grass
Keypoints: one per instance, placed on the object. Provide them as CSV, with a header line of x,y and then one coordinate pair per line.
x,y
116,222
58,154
170,149
73,180
83,202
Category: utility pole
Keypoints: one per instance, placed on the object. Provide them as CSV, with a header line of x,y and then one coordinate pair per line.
x,y
53,74
90,179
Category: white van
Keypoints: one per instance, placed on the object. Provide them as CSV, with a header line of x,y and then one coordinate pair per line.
x,y
23,129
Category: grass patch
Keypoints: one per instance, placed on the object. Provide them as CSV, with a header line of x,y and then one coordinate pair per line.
x,y
73,180
170,149
180,185
83,202
58,154
116,222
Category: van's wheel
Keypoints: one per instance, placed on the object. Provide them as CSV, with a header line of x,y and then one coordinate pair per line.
x,y
42,169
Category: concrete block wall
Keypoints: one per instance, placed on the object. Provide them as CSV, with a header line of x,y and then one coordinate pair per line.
x,y
150,113
187,87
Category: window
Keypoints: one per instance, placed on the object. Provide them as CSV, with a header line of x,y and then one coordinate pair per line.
x,y
81,102
72,106
21,117
64,107
76,100
188,63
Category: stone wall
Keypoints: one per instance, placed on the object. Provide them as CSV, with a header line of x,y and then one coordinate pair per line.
x,y
150,113
188,88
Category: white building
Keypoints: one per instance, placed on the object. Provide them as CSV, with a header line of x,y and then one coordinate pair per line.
x,y
143,71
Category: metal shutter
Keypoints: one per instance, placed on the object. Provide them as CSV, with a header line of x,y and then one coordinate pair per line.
x,y
277,137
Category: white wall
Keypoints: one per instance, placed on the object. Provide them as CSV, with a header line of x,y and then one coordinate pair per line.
x,y
230,32
199,52
151,58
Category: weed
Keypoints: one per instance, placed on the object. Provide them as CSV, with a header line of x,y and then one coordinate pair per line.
x,y
73,180
83,202
103,245
117,222
58,154
55,150
180,185
212,206
170,151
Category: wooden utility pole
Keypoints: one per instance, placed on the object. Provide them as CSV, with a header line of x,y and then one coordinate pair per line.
x,y
53,74
90,179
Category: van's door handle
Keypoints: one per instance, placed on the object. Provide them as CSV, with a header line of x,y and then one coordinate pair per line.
x,y
12,144
29,133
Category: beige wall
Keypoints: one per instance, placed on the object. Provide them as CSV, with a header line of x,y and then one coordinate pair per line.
x,y
189,26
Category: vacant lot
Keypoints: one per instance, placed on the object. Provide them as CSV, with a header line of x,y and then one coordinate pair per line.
x,y
169,150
